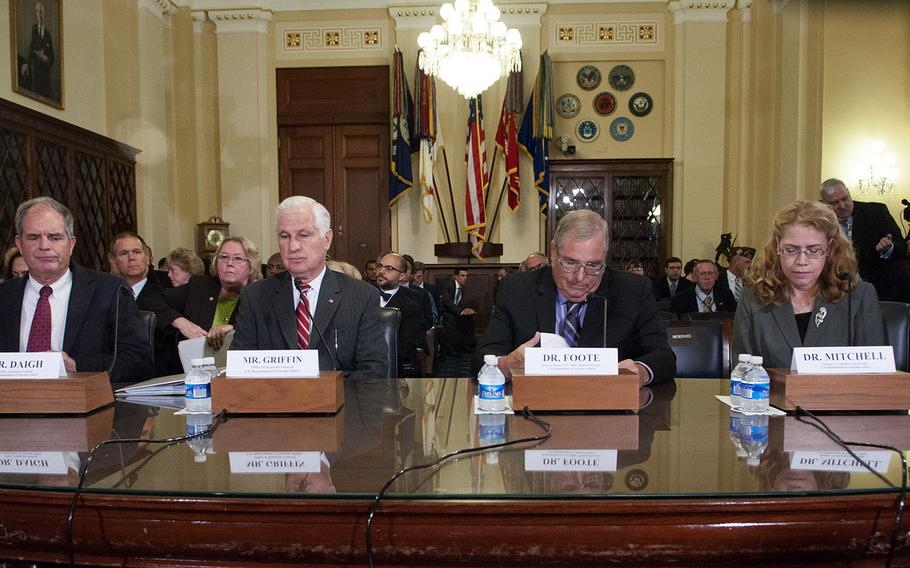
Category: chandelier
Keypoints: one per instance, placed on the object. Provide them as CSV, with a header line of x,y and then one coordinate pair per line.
x,y
472,48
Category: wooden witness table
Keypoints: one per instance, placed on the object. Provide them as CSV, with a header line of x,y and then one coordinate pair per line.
x,y
673,490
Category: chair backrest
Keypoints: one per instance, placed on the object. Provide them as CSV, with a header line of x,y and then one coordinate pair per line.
x,y
389,320
896,320
702,316
149,322
699,348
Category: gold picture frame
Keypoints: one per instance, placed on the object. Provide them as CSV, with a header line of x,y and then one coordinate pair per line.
x,y
36,49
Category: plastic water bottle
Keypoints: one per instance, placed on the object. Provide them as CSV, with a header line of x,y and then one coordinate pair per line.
x,y
492,392
754,434
736,433
201,445
736,379
208,363
198,388
756,387
492,430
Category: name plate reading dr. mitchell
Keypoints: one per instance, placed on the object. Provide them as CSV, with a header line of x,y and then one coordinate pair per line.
x,y
44,365
272,364
843,360
571,361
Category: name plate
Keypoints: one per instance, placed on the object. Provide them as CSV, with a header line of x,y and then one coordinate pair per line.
x,y
45,365
282,364
843,360
34,462
274,462
840,461
571,361
570,460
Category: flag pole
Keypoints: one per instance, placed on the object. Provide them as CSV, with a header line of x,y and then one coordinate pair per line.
x,y
445,225
445,161
486,198
502,191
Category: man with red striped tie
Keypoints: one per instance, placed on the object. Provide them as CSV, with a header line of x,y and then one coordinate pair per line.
x,y
310,307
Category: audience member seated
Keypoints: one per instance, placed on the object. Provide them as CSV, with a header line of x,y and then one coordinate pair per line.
x,y
418,281
879,244
370,271
704,296
344,268
794,296
14,265
411,333
732,277
182,263
689,270
534,261
635,267
419,295
274,265
557,301
132,256
86,315
457,317
671,283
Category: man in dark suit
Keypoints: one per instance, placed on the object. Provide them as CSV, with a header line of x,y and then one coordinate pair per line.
x,y
672,282
410,326
130,255
457,317
568,297
37,72
309,307
418,295
878,241
419,282
85,314
732,278
705,296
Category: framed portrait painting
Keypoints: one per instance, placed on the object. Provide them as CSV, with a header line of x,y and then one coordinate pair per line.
x,y
36,34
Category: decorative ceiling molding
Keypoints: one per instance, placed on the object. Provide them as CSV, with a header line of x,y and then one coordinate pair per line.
x,y
338,39
199,19
164,10
240,21
524,15
745,8
626,32
310,5
689,11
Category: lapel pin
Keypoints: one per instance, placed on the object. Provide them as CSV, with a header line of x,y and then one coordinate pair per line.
x,y
820,316
331,300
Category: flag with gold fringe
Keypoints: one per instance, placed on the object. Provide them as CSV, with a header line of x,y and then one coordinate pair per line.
x,y
537,130
476,185
401,177
507,137
429,136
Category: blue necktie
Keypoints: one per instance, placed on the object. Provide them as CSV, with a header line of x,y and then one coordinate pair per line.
x,y
571,326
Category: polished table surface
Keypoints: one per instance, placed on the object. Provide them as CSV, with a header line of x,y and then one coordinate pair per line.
x,y
669,484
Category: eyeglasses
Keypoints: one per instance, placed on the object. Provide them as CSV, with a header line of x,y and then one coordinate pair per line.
x,y
237,259
791,251
572,265
387,267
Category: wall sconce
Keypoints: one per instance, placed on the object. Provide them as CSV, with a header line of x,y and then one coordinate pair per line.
x,y
882,171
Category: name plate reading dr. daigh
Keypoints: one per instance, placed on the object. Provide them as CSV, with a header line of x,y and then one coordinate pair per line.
x,y
282,364
571,361
45,365
843,360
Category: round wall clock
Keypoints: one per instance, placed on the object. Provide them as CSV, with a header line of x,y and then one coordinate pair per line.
x,y
588,77
587,130
641,104
209,235
622,77
568,105
604,104
621,129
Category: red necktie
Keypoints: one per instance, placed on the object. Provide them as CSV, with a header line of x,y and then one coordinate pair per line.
x,y
39,337
304,320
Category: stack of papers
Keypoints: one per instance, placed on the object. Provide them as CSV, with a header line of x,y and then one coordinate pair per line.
x,y
170,385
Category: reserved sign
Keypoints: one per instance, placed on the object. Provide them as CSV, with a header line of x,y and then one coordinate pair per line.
x,y
44,365
571,361
287,364
570,460
843,360
840,461
274,462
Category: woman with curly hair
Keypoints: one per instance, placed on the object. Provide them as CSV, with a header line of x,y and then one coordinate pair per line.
x,y
797,290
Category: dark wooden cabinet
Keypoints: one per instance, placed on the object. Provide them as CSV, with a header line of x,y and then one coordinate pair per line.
x,y
633,195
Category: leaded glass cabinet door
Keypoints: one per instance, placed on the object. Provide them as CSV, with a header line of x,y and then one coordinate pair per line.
x,y
632,195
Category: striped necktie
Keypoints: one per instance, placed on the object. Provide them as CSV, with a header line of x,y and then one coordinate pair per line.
x,y
706,303
304,317
571,325
737,287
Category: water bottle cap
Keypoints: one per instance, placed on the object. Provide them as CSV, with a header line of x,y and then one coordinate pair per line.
x,y
756,360
208,360
490,359
753,461
200,457
744,357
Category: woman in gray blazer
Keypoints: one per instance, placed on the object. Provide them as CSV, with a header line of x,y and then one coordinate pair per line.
x,y
798,290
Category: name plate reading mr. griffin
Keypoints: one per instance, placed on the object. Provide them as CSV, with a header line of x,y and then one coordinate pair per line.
x,y
843,360
44,365
571,361
281,364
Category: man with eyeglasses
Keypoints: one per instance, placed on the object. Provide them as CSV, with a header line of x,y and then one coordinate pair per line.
x,y
732,278
310,307
567,298
393,295
705,296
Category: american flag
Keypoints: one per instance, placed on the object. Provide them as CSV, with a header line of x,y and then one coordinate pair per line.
x,y
476,160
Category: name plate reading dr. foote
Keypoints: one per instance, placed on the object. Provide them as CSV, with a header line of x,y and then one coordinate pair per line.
x,y
571,361
843,360
570,460
275,462
44,365
300,363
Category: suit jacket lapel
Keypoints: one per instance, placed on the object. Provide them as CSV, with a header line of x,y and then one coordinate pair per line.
x,y
329,298
12,316
546,303
786,323
592,329
80,297
814,333
285,310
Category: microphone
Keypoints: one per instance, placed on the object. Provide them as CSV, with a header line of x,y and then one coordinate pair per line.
x,y
603,297
845,276
120,290
322,337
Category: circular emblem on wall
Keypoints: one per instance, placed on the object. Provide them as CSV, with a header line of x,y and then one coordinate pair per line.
x,y
637,479
604,104
588,77
587,130
568,105
641,104
622,77
621,129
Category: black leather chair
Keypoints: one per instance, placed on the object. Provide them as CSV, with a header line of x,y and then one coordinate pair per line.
x,y
708,316
389,320
896,319
149,322
699,348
